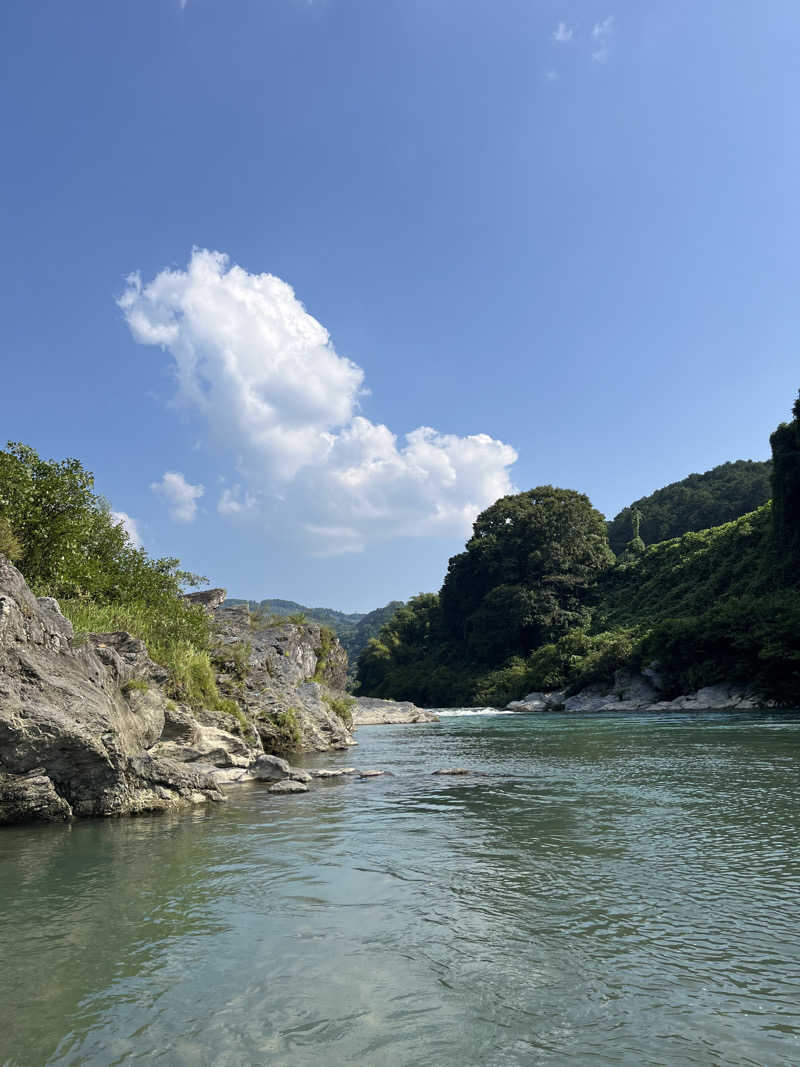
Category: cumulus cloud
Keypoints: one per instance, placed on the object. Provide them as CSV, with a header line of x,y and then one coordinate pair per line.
x,y
121,518
181,496
267,381
563,33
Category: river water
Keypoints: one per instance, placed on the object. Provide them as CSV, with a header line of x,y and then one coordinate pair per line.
x,y
610,890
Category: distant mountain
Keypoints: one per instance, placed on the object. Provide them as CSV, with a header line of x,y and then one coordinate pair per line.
x,y
354,629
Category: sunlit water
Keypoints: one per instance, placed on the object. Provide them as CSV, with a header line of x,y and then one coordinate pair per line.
x,y
611,890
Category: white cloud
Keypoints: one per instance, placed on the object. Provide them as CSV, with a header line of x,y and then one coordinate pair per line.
x,y
181,496
601,32
121,518
274,393
235,502
550,75
563,32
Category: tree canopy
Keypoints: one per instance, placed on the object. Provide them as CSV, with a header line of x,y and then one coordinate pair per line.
x,y
695,503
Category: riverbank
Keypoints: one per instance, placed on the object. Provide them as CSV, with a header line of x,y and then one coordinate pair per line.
x,y
87,727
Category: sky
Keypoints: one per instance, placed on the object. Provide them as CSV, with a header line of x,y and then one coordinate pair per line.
x,y
309,283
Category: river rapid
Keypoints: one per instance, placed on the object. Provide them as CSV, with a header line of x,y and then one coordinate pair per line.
x,y
609,890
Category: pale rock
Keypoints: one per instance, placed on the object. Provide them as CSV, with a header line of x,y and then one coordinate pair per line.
x,y
288,786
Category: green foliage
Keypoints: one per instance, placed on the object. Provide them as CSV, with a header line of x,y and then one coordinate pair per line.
x,y
525,579
752,641
233,659
695,503
280,731
578,659
341,706
134,685
525,576
10,544
685,575
785,442
71,548
327,640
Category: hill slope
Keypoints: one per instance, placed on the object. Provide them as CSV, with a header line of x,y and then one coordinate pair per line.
x,y
695,503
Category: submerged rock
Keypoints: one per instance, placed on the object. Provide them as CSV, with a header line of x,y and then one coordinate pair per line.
x,y
288,786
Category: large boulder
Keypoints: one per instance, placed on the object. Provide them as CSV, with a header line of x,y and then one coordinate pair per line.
x,y
287,677
372,711
83,718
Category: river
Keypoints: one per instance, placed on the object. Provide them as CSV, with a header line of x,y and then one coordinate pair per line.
x,y
610,890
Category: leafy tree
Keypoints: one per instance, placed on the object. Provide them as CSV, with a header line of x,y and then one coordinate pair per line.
x,y
525,576
67,545
785,442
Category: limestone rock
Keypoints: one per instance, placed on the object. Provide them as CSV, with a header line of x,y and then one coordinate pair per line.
x,y
288,786
64,710
540,701
371,711
30,796
207,598
270,768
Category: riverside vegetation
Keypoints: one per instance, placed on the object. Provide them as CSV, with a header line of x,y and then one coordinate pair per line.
x,y
121,693
539,601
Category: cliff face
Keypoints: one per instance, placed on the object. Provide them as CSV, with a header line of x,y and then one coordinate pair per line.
x,y
279,674
86,729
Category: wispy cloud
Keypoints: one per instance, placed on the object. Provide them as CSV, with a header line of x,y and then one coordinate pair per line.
x,y
563,32
550,75
181,496
601,33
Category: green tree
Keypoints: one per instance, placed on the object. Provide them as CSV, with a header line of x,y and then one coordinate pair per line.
x,y
526,573
785,442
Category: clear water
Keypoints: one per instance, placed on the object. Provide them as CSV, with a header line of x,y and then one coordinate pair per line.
x,y
613,890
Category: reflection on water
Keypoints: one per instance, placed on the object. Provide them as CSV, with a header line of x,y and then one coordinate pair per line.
x,y
609,891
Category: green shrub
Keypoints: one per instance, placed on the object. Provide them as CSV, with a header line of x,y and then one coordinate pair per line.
x,y
234,659
10,544
134,685
341,706
280,731
327,638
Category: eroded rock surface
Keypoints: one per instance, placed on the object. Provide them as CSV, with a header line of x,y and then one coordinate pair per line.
x,y
641,692
371,711
86,728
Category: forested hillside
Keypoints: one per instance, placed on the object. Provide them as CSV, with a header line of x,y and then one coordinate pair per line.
x,y
695,503
537,600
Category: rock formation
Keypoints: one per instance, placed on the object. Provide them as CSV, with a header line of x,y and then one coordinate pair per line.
x,y
641,692
86,728
371,711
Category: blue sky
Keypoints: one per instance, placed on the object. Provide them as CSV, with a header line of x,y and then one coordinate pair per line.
x,y
566,231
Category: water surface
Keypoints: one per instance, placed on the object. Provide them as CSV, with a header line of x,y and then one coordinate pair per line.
x,y
611,890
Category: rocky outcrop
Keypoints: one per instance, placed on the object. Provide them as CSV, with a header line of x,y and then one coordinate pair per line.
x,y
76,723
86,728
370,711
640,692
288,678
208,598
